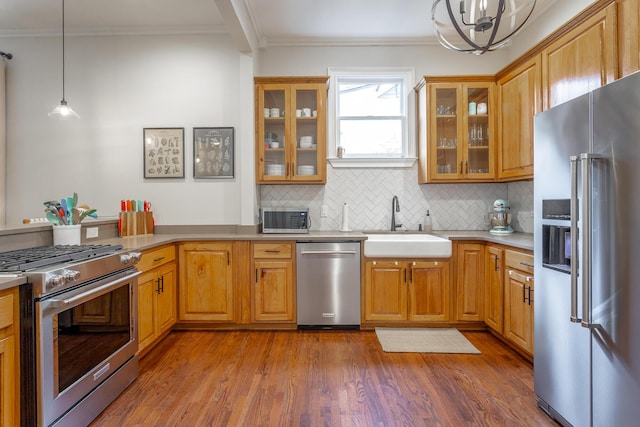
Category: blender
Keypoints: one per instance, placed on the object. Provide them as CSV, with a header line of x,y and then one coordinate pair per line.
x,y
500,218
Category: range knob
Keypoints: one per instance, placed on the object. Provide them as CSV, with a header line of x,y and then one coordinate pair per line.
x,y
56,280
130,258
71,275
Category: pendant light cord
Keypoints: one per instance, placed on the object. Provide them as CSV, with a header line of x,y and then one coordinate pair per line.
x,y
63,98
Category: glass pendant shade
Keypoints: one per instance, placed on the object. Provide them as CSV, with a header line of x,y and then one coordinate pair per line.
x,y
63,112
479,26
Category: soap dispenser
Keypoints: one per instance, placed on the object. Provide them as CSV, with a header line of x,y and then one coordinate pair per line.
x,y
428,227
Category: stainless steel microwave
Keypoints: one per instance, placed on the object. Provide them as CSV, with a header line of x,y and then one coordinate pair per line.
x,y
285,220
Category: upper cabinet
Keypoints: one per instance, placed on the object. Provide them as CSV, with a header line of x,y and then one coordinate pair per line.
x,y
582,59
520,98
456,129
628,36
291,130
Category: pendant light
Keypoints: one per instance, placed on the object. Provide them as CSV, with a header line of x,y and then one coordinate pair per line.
x,y
479,26
63,111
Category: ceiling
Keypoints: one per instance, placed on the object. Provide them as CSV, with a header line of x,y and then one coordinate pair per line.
x,y
272,22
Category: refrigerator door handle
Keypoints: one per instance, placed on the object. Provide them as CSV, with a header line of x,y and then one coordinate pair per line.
x,y
574,240
586,160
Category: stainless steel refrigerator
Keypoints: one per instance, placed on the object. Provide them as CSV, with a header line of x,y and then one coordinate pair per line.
x,y
587,257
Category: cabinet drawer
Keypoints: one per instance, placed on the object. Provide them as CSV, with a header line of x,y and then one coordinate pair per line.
x,y
272,250
155,257
6,311
519,261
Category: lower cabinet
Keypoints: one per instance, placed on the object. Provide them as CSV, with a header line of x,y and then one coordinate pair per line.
x,y
9,358
206,282
518,298
156,296
494,288
407,290
469,281
273,296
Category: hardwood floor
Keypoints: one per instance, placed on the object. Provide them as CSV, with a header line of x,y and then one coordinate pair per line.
x,y
328,378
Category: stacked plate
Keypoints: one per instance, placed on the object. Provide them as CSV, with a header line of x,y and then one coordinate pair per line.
x,y
274,169
306,170
306,141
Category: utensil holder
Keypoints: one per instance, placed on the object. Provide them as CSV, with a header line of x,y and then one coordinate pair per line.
x,y
66,234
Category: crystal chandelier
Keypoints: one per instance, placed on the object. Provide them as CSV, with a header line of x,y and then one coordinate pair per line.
x,y
479,26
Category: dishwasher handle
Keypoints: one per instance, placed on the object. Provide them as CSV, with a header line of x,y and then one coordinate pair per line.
x,y
328,252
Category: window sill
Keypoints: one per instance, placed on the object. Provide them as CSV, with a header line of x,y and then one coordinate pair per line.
x,y
405,162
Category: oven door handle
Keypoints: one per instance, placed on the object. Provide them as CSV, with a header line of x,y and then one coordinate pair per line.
x,y
89,295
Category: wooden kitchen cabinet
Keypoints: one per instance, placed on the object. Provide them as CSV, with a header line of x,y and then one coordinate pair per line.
x,y
157,312
582,59
407,290
9,358
206,291
455,140
274,290
518,298
470,264
300,154
494,288
519,98
628,19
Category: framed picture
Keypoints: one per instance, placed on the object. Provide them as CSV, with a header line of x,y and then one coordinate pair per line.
x,y
213,152
163,152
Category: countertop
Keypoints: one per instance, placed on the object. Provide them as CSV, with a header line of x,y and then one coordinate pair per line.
x,y
517,240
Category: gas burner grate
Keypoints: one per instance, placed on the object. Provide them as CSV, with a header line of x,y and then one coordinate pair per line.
x,y
42,256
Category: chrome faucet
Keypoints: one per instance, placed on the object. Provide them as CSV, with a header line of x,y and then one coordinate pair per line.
x,y
395,207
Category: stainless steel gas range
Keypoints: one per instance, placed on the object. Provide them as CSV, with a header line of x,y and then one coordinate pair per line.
x,y
78,330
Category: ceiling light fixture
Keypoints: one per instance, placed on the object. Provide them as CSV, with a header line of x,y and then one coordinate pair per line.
x,y
63,111
484,26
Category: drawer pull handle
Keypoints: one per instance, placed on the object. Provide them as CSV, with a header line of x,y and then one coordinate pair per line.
x,y
272,251
158,259
526,264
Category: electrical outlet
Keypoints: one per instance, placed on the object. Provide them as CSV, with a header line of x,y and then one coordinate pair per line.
x,y
92,232
324,211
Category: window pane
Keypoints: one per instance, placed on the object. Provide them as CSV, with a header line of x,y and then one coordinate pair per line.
x,y
374,137
365,98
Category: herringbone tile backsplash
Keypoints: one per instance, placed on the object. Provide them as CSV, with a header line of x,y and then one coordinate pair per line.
x,y
368,193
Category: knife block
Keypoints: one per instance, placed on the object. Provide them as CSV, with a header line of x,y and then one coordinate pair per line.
x,y
135,223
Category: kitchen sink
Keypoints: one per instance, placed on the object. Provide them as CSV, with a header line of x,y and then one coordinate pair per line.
x,y
406,245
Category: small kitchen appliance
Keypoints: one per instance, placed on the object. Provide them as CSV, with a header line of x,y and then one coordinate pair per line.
x,y
500,218
285,220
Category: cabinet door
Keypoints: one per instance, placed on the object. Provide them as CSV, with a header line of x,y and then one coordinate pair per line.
x,y
477,132
273,296
469,282
518,320
166,298
272,132
582,60
8,381
385,295
520,99
445,155
493,288
146,311
429,291
308,133
628,17
206,282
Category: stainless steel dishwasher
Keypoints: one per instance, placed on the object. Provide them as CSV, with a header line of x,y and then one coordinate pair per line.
x,y
328,285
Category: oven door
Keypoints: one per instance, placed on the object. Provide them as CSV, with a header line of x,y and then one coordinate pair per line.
x,y
83,337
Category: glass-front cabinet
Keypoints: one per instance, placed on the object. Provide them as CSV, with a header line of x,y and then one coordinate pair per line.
x,y
291,130
455,128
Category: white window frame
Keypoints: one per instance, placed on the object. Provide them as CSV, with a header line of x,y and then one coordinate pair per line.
x,y
409,145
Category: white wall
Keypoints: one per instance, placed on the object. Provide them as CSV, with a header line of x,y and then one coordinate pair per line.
x,y
119,85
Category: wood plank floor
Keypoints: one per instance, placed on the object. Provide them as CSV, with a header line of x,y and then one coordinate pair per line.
x,y
323,378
